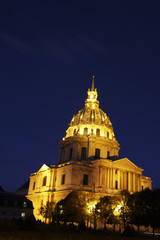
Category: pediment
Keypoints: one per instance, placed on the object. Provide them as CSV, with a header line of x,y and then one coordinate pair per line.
x,y
127,164
44,168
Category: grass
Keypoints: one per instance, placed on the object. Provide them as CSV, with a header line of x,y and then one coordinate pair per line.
x,y
32,230
64,235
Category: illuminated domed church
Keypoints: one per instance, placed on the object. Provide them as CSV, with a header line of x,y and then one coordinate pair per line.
x,y
89,161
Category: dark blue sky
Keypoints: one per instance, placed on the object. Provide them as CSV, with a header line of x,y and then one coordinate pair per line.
x,y
49,51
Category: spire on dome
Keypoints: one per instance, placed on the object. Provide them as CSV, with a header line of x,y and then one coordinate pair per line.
x,y
92,101
92,88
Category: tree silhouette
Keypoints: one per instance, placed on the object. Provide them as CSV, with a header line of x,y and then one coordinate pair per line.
x,y
104,210
46,211
71,209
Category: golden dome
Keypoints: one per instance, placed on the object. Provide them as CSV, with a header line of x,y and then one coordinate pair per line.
x,y
90,120
91,113
88,115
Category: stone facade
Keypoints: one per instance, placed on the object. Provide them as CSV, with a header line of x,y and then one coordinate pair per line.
x,y
88,161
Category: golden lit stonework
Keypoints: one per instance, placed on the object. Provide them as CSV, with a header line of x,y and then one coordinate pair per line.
x,y
88,162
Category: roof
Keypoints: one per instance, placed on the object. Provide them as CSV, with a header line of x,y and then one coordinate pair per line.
x,y
1,189
24,186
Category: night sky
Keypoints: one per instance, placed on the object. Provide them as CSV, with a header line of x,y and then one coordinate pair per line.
x,y
49,51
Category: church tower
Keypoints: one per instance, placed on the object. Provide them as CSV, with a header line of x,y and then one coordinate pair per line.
x,y
88,162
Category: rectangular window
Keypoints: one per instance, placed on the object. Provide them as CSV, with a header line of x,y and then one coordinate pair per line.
x,y
70,153
63,179
85,131
44,181
116,184
83,153
85,179
97,152
34,184
98,132
108,154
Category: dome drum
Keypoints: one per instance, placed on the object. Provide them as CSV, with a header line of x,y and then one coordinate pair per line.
x,y
79,148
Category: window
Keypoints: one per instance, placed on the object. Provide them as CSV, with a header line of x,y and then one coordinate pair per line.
x,y
108,154
97,152
70,153
23,214
83,153
24,204
63,179
85,179
34,184
116,184
75,132
44,181
85,132
107,134
98,132
62,154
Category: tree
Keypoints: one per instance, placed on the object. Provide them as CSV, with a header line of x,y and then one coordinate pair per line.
x,y
71,209
146,208
104,210
155,220
46,211
91,212
122,207
125,214
142,208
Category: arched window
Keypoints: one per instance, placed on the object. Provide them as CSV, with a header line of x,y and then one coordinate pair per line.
x,y
75,132
85,132
98,132
107,134
44,181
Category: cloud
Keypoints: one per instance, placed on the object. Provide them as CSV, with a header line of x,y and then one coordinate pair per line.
x,y
85,46
56,48
93,44
66,49
18,44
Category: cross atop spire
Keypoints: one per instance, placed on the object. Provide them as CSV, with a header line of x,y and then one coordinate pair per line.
x,y
92,88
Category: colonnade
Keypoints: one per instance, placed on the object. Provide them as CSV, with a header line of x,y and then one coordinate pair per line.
x,y
112,178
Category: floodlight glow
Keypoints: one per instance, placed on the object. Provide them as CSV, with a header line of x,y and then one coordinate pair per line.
x,y
118,209
91,206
